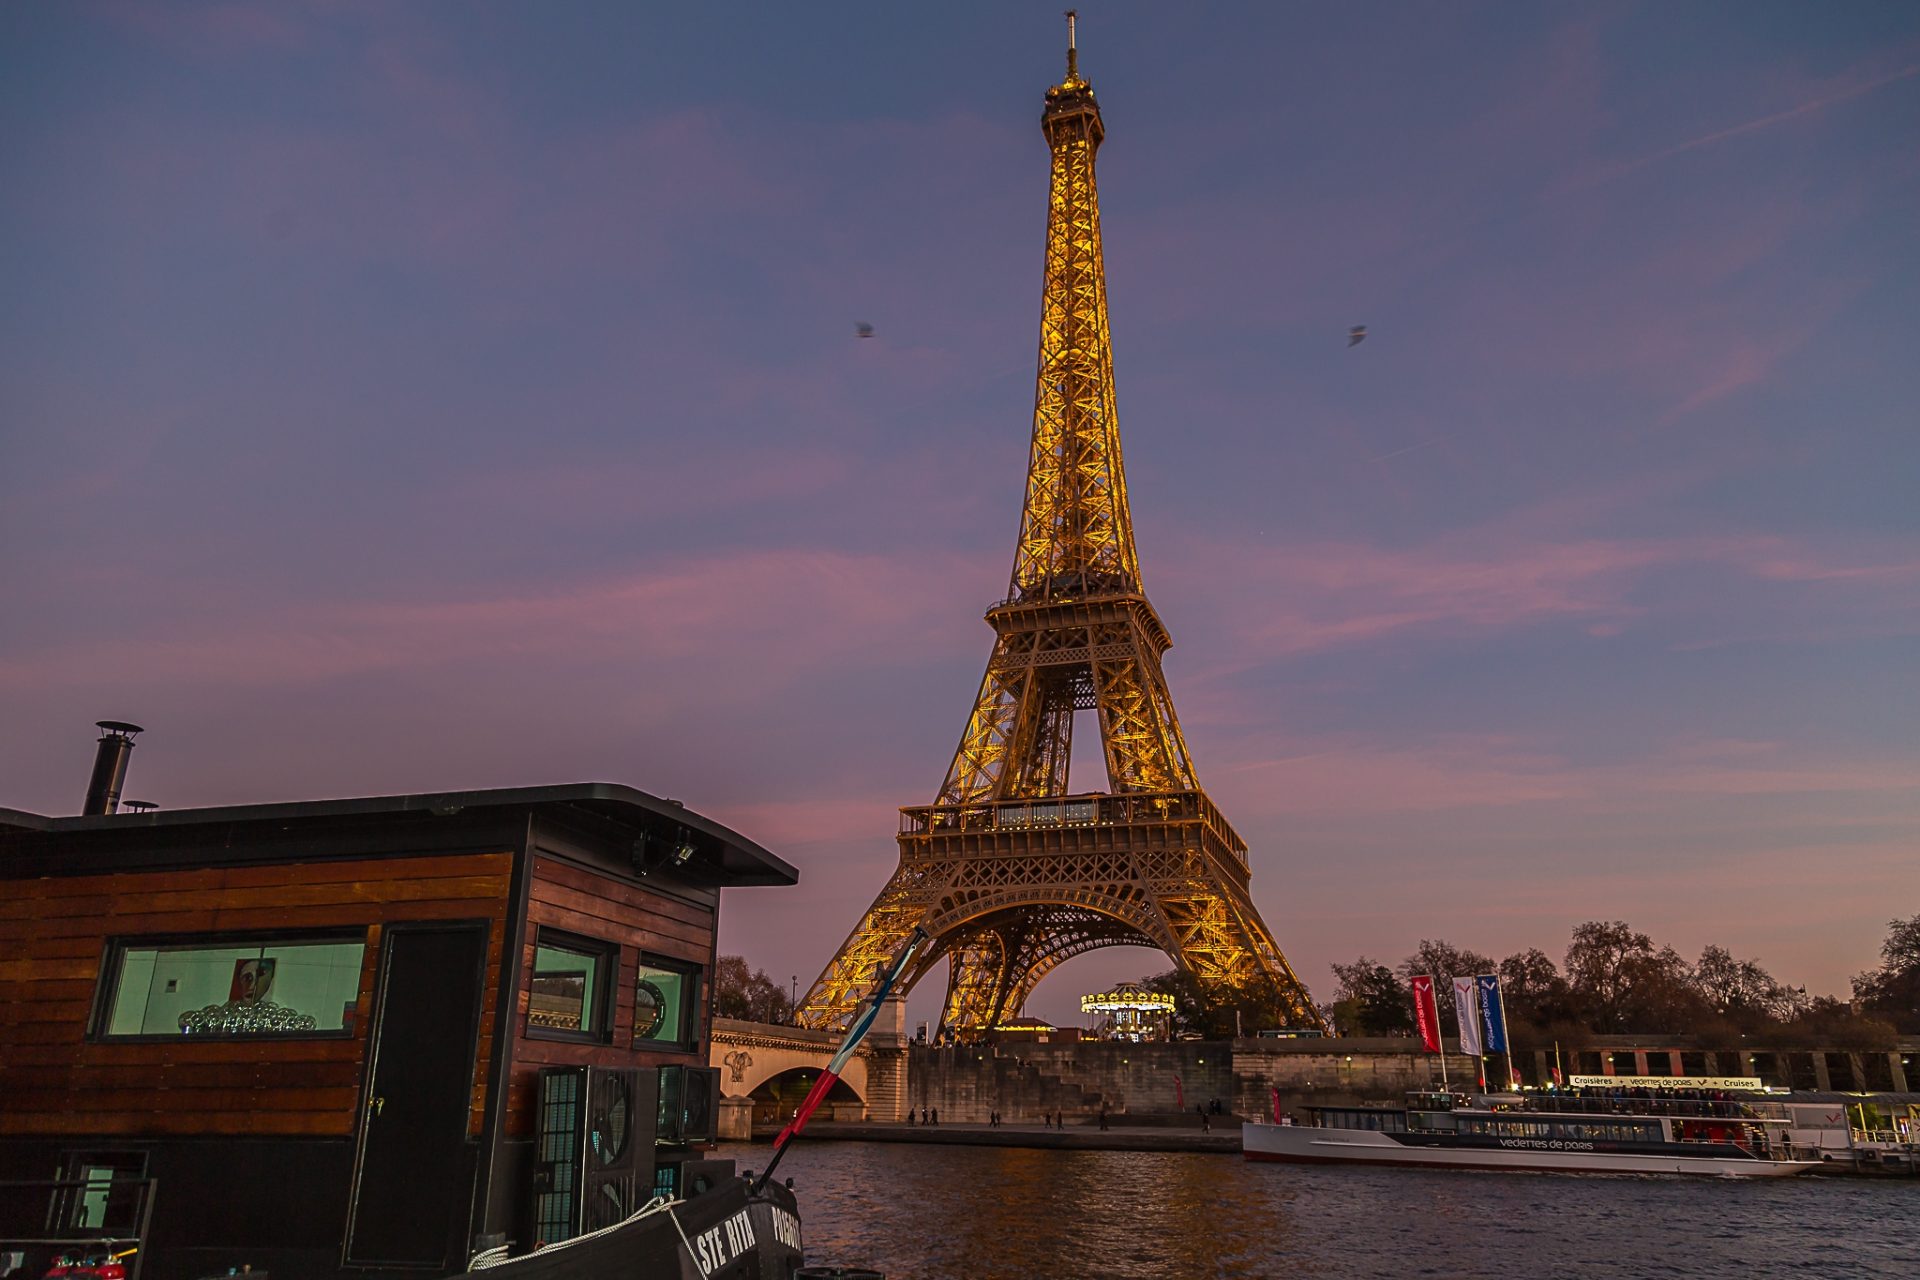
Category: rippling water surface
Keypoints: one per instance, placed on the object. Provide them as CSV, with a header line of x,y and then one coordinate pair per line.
x,y
927,1211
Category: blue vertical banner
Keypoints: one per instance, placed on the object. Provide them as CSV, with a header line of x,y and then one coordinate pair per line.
x,y
1493,1012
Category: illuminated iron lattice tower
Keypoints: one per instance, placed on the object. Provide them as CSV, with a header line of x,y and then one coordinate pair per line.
x,y
1008,873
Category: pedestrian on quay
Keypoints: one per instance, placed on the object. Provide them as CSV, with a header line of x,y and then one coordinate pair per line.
x,y
909,1115
1204,1127
1103,1117
936,1116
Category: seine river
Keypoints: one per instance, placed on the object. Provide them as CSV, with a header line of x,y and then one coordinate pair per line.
x,y
938,1212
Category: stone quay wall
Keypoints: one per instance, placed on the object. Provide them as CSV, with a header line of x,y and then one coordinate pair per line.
x,y
1025,1080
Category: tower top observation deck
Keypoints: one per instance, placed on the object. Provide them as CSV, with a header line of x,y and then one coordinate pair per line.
x,y
1072,98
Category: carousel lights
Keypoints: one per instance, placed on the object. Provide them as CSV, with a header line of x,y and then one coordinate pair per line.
x,y
1127,999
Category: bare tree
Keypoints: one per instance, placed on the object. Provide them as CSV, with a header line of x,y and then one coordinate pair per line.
x,y
1371,1001
1892,991
1444,961
748,994
1742,991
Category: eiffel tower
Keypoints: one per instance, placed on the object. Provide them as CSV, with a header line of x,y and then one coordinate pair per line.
x,y
1008,873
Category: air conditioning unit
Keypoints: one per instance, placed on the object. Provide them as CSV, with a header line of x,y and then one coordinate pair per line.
x,y
689,1105
593,1155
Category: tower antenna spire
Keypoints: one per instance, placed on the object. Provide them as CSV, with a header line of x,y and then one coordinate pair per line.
x,y
1073,54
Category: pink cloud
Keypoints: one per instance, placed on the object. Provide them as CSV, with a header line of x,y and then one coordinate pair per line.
x,y
838,819
1362,779
773,613
1316,597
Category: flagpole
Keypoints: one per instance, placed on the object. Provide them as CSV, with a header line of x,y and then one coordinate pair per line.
x,y
1421,1012
884,978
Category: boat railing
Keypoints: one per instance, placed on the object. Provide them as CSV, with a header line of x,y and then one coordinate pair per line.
x,y
1728,1109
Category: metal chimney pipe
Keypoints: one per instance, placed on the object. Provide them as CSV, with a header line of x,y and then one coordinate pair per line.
x,y
110,766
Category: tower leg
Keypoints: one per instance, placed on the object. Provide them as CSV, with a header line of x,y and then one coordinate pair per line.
x,y
880,933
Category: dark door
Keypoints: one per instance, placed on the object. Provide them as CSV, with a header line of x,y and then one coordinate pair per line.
x,y
412,1182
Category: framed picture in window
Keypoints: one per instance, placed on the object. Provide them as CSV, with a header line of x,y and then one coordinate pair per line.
x,y
252,980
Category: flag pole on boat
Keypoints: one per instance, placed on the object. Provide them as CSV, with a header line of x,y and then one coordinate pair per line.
x,y
884,979
1466,1016
1493,1025
1426,1016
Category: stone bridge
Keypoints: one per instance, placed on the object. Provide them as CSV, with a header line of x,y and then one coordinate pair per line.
x,y
767,1069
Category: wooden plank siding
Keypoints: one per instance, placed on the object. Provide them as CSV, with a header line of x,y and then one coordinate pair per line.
x,y
563,895
55,1080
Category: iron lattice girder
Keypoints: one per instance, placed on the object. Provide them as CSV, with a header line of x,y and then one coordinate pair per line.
x,y
1050,659
1008,874
1076,526
997,960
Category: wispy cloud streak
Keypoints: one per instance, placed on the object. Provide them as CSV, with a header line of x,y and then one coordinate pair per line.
x,y
1764,122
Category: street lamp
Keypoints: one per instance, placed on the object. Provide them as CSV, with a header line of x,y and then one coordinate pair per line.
x,y
793,999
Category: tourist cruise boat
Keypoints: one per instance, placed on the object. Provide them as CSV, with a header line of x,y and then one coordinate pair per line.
x,y
1669,1131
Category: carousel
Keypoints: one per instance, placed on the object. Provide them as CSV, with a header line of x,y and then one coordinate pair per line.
x,y
1129,1012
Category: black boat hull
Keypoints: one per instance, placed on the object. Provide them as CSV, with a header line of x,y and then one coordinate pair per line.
x,y
728,1233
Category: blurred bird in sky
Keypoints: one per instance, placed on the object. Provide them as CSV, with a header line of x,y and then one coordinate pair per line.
x,y
1356,335
863,330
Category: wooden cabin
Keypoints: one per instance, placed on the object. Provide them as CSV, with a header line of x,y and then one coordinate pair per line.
x,y
316,1038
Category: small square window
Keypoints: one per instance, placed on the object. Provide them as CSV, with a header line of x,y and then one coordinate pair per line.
x,y
571,979
101,1191
665,1003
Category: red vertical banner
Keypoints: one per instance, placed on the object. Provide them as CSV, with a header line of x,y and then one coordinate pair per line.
x,y
1426,1012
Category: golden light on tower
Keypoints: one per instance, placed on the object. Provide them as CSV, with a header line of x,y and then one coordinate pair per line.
x,y
1009,873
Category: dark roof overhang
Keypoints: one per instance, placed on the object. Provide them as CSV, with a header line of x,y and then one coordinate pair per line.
x,y
724,855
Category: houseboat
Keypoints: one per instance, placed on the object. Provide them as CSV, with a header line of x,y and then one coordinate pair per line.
x,y
368,1036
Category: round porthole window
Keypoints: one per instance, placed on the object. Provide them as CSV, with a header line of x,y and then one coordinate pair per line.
x,y
649,1008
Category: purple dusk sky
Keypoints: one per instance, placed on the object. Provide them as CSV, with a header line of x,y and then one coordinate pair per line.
x,y
411,397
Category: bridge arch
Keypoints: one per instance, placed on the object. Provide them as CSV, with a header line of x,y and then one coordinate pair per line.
x,y
760,1065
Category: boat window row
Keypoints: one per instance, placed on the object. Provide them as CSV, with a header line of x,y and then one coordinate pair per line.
x,y
1585,1130
575,985
1659,1106
309,984
1374,1120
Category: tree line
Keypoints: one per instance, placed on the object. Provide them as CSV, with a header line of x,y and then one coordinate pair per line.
x,y
1614,980
748,994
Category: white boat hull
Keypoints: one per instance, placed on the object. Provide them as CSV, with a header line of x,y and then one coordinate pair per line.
x,y
1305,1144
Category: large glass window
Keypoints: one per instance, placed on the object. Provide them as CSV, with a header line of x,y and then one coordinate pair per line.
x,y
665,1000
570,981
215,988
